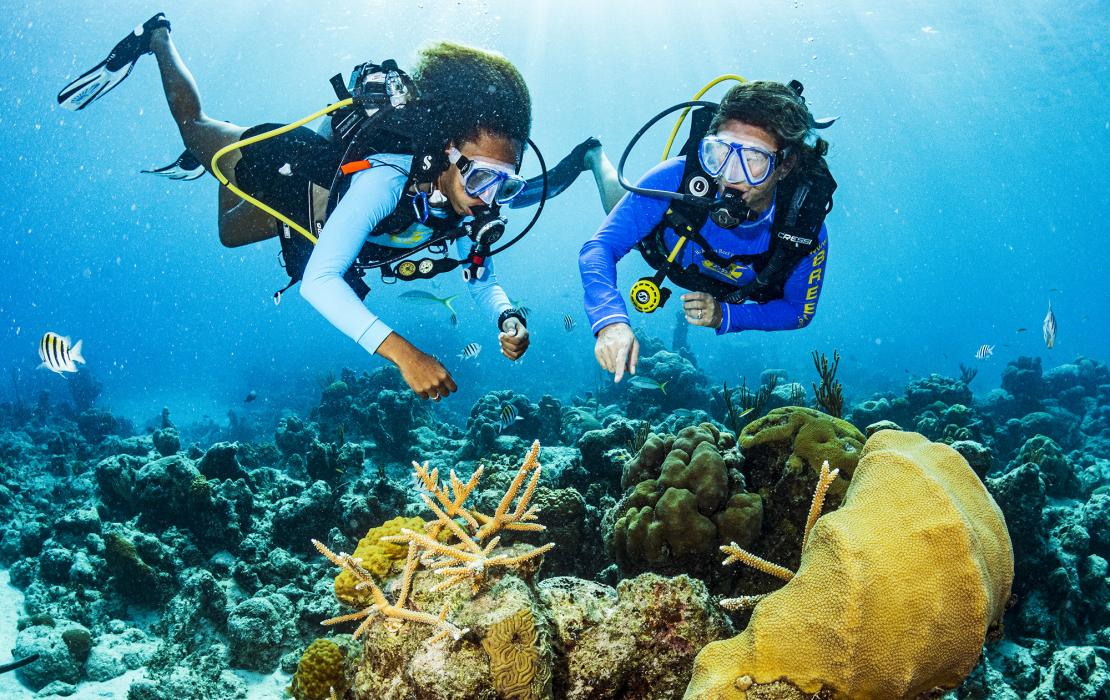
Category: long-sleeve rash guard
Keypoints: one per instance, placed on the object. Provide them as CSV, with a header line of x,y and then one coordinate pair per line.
x,y
372,196
634,218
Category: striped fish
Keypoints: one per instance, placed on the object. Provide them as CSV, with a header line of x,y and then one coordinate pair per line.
x,y
1049,327
568,322
58,354
521,308
984,352
508,417
470,351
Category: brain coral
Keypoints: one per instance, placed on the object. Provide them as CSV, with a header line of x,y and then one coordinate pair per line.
x,y
895,593
514,659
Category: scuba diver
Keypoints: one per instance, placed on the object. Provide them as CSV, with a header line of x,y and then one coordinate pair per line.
x,y
404,165
737,220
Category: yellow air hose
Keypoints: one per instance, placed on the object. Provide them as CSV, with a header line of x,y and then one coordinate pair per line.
x,y
674,132
262,137
682,117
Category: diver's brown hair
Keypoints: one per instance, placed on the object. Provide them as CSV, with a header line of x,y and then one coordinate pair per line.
x,y
777,109
464,91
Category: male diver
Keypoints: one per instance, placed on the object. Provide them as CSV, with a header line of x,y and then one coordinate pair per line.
x,y
420,163
738,220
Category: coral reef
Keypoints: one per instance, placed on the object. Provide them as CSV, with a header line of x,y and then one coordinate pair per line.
x,y
918,543
183,552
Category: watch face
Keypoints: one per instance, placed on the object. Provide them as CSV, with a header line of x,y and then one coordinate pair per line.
x,y
426,266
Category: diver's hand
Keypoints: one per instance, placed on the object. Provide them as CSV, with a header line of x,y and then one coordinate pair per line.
x,y
422,372
514,338
616,349
702,309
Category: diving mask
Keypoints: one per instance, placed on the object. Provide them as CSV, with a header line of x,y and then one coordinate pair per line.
x,y
488,181
734,162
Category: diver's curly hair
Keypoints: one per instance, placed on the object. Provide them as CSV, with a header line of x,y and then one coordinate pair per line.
x,y
464,91
777,109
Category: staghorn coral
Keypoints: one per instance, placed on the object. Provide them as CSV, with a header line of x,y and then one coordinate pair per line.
x,y
378,557
514,658
918,544
467,555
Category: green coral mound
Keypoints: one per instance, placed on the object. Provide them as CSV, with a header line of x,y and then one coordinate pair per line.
x,y
783,452
687,498
321,668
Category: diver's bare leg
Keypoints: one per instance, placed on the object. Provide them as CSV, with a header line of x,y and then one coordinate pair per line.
x,y
605,177
203,136
241,222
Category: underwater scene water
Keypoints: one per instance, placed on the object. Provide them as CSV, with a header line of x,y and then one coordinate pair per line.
x,y
204,494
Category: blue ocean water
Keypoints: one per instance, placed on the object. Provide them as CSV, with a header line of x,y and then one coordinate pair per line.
x,y
971,152
971,155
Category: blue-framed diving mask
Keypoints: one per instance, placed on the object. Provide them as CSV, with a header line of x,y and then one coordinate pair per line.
x,y
487,181
733,161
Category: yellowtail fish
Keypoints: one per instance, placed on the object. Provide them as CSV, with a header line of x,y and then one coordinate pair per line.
x,y
648,383
1049,327
470,351
58,354
984,352
508,417
568,322
423,297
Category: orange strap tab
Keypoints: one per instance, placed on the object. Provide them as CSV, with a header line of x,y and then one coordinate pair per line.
x,y
355,166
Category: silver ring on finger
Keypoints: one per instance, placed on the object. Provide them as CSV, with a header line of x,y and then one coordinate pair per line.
x,y
699,314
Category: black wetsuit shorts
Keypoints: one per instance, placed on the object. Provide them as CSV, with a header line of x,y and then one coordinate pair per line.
x,y
277,171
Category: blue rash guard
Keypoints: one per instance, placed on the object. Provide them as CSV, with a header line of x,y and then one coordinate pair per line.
x,y
372,196
634,218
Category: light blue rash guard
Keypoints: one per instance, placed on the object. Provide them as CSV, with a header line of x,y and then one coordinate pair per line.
x,y
372,196
636,216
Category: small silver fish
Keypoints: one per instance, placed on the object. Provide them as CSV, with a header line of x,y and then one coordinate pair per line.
x,y
1049,327
251,396
508,416
568,322
470,351
58,354
641,382
984,352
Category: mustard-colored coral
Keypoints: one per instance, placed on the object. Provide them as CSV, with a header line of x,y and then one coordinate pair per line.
x,y
895,592
514,657
377,556
320,669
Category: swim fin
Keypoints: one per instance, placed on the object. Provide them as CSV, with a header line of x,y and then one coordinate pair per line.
x,y
558,178
186,167
101,78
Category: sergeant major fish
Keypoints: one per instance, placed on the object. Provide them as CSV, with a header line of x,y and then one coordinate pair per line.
x,y
58,354
984,352
508,417
470,351
568,322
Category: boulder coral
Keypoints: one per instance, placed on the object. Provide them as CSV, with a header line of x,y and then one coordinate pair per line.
x,y
896,592
686,499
